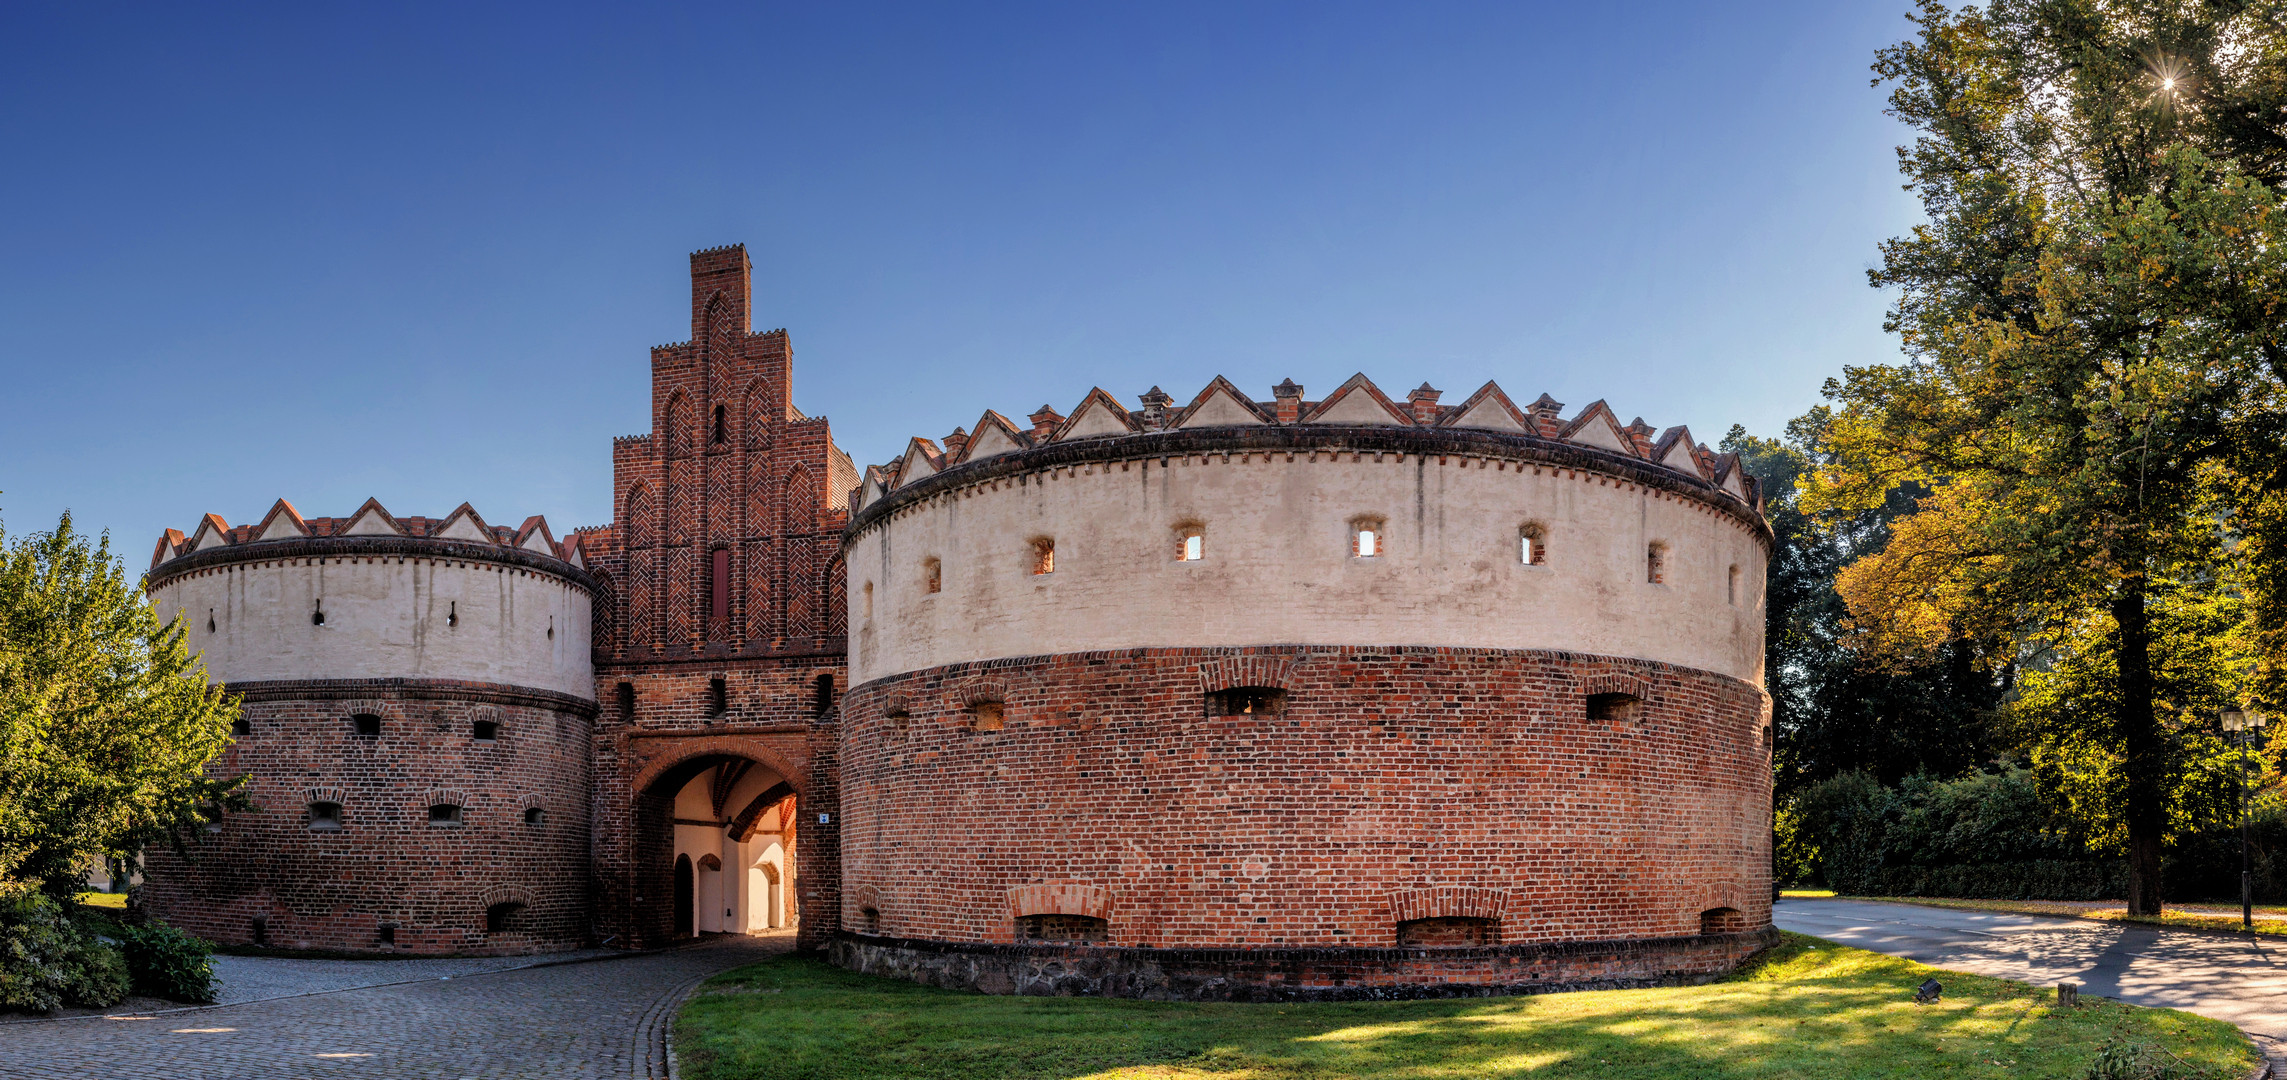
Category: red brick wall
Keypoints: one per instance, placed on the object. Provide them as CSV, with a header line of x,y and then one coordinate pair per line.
x,y
1397,782
333,890
773,493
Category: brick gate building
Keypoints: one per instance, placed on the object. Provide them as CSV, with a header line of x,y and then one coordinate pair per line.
x,y
1232,698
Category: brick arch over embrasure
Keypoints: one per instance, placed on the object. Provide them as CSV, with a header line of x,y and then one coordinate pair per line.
x,y
1397,783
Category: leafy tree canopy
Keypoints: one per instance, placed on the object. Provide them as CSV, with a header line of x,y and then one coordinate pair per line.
x,y
2094,318
106,723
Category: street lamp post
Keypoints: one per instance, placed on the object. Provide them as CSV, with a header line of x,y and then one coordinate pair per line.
x,y
2244,728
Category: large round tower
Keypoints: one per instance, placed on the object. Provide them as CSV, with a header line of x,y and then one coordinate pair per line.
x,y
1305,698
418,699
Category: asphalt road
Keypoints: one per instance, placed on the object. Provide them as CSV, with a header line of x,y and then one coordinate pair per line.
x,y
2228,977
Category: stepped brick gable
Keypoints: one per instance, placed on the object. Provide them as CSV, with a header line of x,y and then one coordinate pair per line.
x,y
1208,697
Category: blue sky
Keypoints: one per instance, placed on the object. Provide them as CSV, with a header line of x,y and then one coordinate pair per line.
x,y
325,252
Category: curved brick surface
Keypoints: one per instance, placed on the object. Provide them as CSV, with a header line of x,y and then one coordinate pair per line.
x,y
387,863
1398,783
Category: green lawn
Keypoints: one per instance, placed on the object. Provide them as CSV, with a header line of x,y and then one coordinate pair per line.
x,y
113,900
1810,1010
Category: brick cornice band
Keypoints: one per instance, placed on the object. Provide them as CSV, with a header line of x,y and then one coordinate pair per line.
x,y
1305,439
362,547
531,697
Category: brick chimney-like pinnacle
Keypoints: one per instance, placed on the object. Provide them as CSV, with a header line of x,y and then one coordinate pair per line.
x,y
1155,403
1424,403
1044,423
1289,395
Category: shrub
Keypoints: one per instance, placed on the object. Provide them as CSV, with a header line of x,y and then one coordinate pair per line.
x,y
48,960
168,963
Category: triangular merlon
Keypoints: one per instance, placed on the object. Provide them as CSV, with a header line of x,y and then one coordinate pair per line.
x,y
533,535
1220,404
1098,415
212,532
281,523
371,520
1489,408
994,435
1676,450
170,543
464,523
1596,426
1358,401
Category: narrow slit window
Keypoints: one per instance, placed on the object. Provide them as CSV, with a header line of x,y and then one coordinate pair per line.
x,y
210,620
1731,588
823,694
718,697
452,613
1656,564
318,614
718,437
932,576
722,583
627,701
1043,556
1532,545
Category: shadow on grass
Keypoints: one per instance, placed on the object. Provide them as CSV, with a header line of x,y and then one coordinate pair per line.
x,y
1807,1009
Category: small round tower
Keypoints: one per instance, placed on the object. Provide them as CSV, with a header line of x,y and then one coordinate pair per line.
x,y
1305,698
418,699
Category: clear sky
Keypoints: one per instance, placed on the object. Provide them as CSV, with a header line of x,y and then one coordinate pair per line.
x,y
323,251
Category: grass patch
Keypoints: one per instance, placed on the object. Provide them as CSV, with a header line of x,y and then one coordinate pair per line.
x,y
2269,919
1806,894
113,900
1807,1010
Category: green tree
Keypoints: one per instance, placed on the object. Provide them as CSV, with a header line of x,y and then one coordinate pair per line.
x,y
1836,710
106,722
2092,323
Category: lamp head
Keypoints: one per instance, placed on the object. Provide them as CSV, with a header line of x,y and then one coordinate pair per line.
x,y
2234,720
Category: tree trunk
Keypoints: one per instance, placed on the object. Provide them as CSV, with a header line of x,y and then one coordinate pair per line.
x,y
2146,765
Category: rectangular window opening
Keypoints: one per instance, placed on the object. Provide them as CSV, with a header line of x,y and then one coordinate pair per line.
x,y
1247,701
932,576
987,716
627,701
485,730
1043,556
718,697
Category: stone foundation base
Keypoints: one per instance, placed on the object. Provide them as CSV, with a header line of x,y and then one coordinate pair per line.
x,y
1299,974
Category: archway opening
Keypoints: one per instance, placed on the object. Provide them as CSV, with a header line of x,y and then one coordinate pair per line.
x,y
701,829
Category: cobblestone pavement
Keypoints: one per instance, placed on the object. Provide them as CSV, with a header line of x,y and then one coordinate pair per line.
x,y
602,1019
240,979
